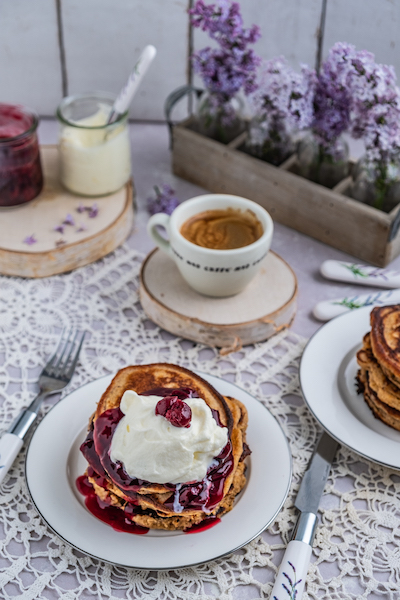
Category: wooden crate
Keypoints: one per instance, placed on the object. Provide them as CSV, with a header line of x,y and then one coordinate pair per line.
x,y
324,214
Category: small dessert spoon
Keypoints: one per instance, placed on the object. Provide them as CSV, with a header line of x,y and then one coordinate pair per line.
x,y
127,93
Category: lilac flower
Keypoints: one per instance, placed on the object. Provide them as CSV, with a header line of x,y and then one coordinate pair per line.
x,y
69,220
165,200
30,240
81,208
232,66
81,227
333,97
93,210
60,243
376,110
376,119
59,228
284,95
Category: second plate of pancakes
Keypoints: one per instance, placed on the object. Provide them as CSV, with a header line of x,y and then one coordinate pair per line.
x,y
328,373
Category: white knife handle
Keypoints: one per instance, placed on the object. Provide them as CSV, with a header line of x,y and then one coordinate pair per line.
x,y
291,578
361,274
10,445
328,309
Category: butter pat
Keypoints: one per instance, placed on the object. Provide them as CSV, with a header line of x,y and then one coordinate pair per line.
x,y
153,449
94,157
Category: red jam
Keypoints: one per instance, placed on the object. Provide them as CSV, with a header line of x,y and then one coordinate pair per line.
x,y
200,495
204,525
118,519
21,177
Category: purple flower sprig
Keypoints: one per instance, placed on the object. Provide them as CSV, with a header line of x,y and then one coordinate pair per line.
x,y
165,200
283,95
333,99
376,108
232,66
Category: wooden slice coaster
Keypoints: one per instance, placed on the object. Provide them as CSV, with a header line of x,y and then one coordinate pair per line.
x,y
80,244
266,306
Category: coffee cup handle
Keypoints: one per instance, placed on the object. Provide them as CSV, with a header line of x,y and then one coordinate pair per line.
x,y
161,242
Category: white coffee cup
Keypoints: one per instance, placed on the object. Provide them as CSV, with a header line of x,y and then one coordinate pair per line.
x,y
210,271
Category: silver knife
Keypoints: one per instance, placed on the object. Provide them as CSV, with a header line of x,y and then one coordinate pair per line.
x,y
291,578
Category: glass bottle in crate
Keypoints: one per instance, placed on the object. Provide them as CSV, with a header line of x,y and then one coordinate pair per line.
x,y
327,166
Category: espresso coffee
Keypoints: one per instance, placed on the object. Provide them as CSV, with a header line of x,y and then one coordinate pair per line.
x,y
223,229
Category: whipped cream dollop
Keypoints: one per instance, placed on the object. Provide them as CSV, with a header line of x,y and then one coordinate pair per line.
x,y
153,449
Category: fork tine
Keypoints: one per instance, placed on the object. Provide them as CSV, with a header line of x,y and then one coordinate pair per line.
x,y
62,363
70,334
61,343
71,370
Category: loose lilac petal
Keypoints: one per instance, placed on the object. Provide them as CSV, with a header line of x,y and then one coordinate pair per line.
x,y
81,208
30,239
60,243
59,228
69,220
93,211
82,227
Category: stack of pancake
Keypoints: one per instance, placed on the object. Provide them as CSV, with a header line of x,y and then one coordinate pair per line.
x,y
379,361
155,505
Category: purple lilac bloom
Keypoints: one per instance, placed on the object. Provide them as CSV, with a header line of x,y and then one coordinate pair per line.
x,y
165,200
333,97
30,239
81,208
81,227
232,66
285,96
59,228
376,111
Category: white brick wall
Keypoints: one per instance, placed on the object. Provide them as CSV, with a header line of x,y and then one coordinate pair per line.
x,y
103,38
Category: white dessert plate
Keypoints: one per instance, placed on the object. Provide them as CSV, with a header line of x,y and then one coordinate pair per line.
x,y
328,380
54,462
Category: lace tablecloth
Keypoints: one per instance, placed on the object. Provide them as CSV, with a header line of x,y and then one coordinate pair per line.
x,y
356,553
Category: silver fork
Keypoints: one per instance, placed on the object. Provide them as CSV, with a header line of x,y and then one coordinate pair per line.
x,y
55,376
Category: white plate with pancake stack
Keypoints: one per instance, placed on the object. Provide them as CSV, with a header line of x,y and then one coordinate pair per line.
x,y
328,373
54,463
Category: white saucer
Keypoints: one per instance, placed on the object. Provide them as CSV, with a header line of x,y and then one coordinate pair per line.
x,y
54,462
327,375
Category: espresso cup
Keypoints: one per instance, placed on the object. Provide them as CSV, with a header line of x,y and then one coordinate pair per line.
x,y
211,271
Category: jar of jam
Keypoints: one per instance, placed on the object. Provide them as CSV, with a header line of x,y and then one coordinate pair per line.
x,y
21,177
95,157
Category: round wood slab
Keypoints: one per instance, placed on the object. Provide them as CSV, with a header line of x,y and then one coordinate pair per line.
x,y
266,306
54,252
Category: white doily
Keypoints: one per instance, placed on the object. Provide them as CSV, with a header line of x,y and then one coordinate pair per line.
x,y
357,551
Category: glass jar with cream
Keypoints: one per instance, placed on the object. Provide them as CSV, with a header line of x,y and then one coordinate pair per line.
x,y
95,156
21,177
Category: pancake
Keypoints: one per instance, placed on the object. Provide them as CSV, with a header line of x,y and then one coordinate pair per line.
x,y
383,388
385,340
381,411
155,505
379,361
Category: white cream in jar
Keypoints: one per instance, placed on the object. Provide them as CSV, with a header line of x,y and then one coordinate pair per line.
x,y
95,157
